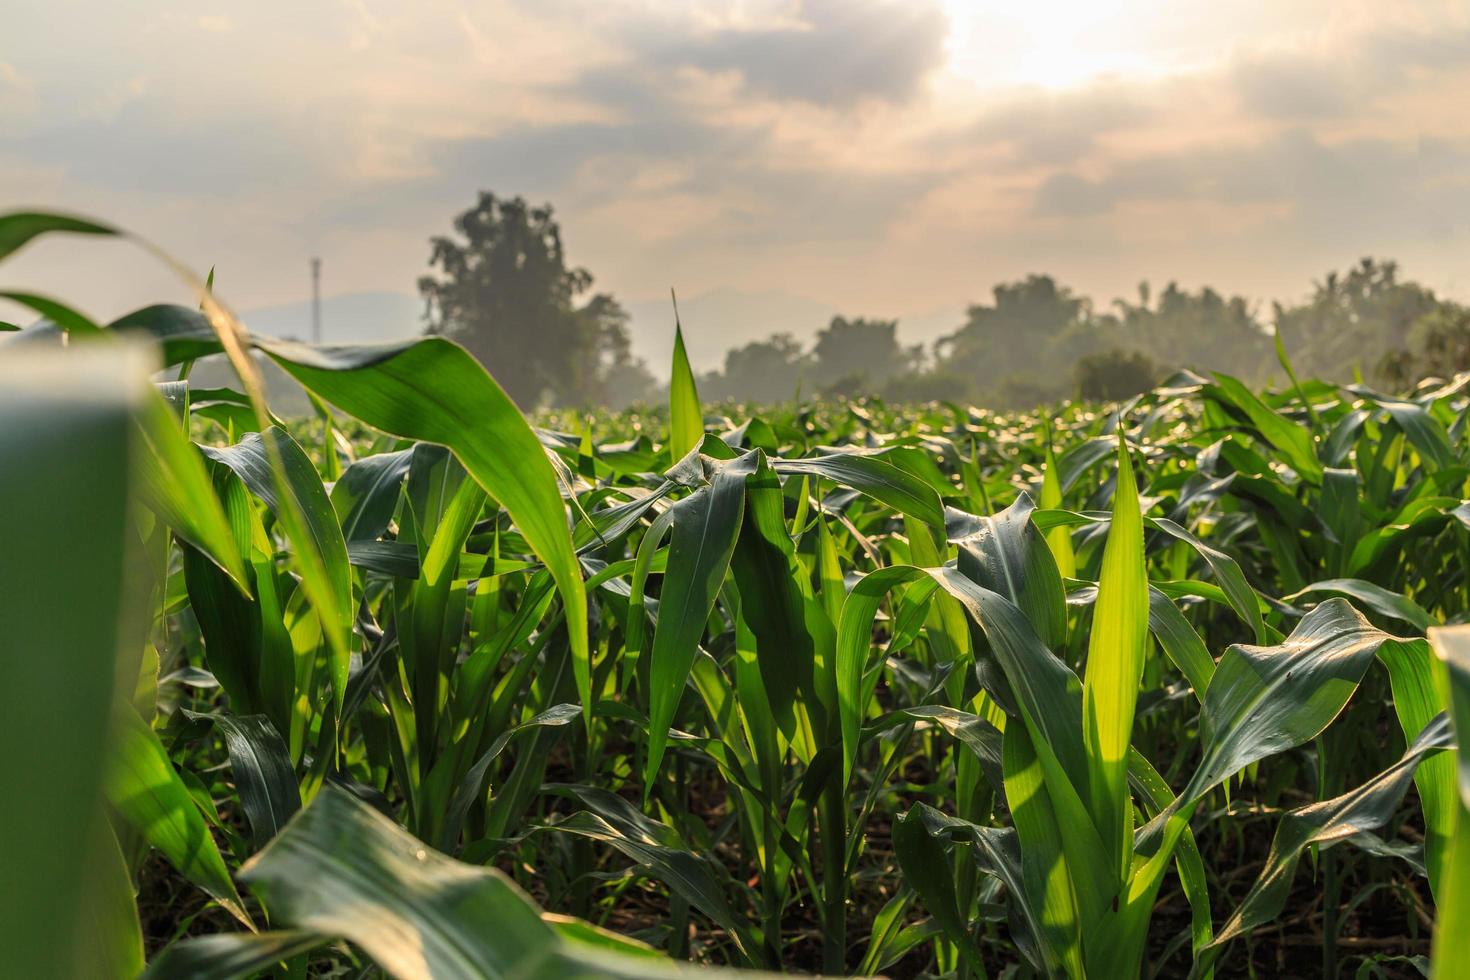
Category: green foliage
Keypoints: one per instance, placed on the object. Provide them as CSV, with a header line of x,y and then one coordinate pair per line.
x,y
1438,346
859,348
1353,319
1113,375
768,371
66,438
839,687
1203,330
504,290
1031,323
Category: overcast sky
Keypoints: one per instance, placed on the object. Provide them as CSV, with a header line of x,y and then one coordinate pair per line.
x,y
880,158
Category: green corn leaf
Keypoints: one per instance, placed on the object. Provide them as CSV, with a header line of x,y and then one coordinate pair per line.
x,y
1452,922
261,765
1005,554
996,853
1341,515
174,483
435,616
926,867
1059,539
978,735
1285,362
1374,597
66,438
705,527
311,523
228,956
1228,574
656,847
686,418
1049,703
854,643
1323,824
472,786
1420,693
1156,797
142,786
67,319
367,494
1424,432
341,869
887,927
19,227
433,391
1115,655
1266,699
111,943
1262,700
1179,640
1048,883
1293,441
880,480
788,627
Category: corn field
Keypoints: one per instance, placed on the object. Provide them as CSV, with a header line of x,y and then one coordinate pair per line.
x,y
421,688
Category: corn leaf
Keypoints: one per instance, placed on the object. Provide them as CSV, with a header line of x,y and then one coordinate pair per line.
x,y
1115,656
686,419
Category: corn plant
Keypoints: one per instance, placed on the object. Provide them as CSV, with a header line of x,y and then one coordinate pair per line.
x,y
840,687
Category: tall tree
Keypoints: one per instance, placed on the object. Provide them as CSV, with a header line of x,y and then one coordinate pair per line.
x,y
1202,330
860,351
768,370
1438,346
503,289
1035,327
1352,320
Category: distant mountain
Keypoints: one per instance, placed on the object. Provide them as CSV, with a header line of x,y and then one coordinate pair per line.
x,y
352,318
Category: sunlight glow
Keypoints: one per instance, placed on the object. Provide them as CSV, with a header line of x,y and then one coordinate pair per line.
x,y
1053,44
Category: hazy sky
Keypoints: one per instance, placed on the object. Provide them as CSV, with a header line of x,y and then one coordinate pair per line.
x,y
881,158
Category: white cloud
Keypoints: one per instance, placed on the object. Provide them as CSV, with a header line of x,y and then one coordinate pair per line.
x,y
826,148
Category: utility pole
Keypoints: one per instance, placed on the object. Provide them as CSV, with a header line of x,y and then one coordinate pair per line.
x,y
316,301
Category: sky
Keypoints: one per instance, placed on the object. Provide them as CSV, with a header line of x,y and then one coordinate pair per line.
x,y
869,157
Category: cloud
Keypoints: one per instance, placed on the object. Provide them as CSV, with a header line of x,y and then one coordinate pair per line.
x,y
1355,187
830,148
1284,85
144,146
1038,127
1338,77
833,53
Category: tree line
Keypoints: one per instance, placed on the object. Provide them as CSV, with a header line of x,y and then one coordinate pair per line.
x,y
502,287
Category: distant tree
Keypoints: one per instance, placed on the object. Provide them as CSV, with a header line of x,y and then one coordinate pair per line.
x,y
503,289
621,378
761,371
1438,346
1115,374
1202,330
1351,321
1023,332
1023,391
859,352
925,386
